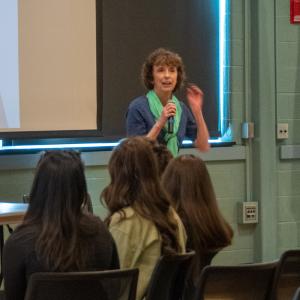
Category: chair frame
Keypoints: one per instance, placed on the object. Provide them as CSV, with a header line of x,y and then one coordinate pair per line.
x,y
35,278
297,294
178,280
279,269
204,277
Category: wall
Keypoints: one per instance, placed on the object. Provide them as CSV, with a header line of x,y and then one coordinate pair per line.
x,y
288,111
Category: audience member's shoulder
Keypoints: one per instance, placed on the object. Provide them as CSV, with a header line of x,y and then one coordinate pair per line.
x,y
20,239
130,221
94,230
122,215
92,225
140,230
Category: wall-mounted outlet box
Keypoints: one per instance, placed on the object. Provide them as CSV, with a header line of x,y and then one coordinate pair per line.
x,y
248,212
282,131
248,130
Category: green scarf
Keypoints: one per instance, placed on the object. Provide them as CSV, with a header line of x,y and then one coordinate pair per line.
x,y
156,108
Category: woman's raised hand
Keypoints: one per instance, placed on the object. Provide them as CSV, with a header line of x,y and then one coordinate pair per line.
x,y
195,97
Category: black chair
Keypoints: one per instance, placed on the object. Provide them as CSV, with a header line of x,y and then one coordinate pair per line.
x,y
297,294
100,285
241,282
2,295
287,276
168,278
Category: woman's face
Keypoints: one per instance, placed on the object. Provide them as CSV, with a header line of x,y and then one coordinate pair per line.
x,y
164,79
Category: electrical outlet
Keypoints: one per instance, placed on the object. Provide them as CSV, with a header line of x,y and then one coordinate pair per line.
x,y
248,212
282,131
248,130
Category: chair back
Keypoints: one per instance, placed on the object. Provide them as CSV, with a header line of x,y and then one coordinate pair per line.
x,y
241,282
100,285
297,294
287,276
168,278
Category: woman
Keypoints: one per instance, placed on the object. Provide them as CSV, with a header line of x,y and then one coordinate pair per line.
x,y
162,74
140,218
57,233
188,183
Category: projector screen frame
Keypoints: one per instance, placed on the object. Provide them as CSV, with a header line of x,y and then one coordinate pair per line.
x,y
98,134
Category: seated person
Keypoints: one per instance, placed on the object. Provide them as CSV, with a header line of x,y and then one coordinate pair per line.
x,y
188,183
141,219
57,233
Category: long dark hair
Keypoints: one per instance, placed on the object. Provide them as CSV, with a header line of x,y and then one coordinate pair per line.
x,y
187,181
55,214
135,183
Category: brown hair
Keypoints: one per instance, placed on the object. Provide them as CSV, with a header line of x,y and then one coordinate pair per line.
x,y
187,181
135,183
162,56
55,215
162,154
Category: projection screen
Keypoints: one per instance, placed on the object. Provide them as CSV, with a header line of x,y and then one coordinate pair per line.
x,y
47,64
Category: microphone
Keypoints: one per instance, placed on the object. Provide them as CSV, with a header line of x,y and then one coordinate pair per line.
x,y
170,121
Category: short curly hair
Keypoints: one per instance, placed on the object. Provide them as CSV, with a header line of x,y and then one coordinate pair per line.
x,y
162,56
